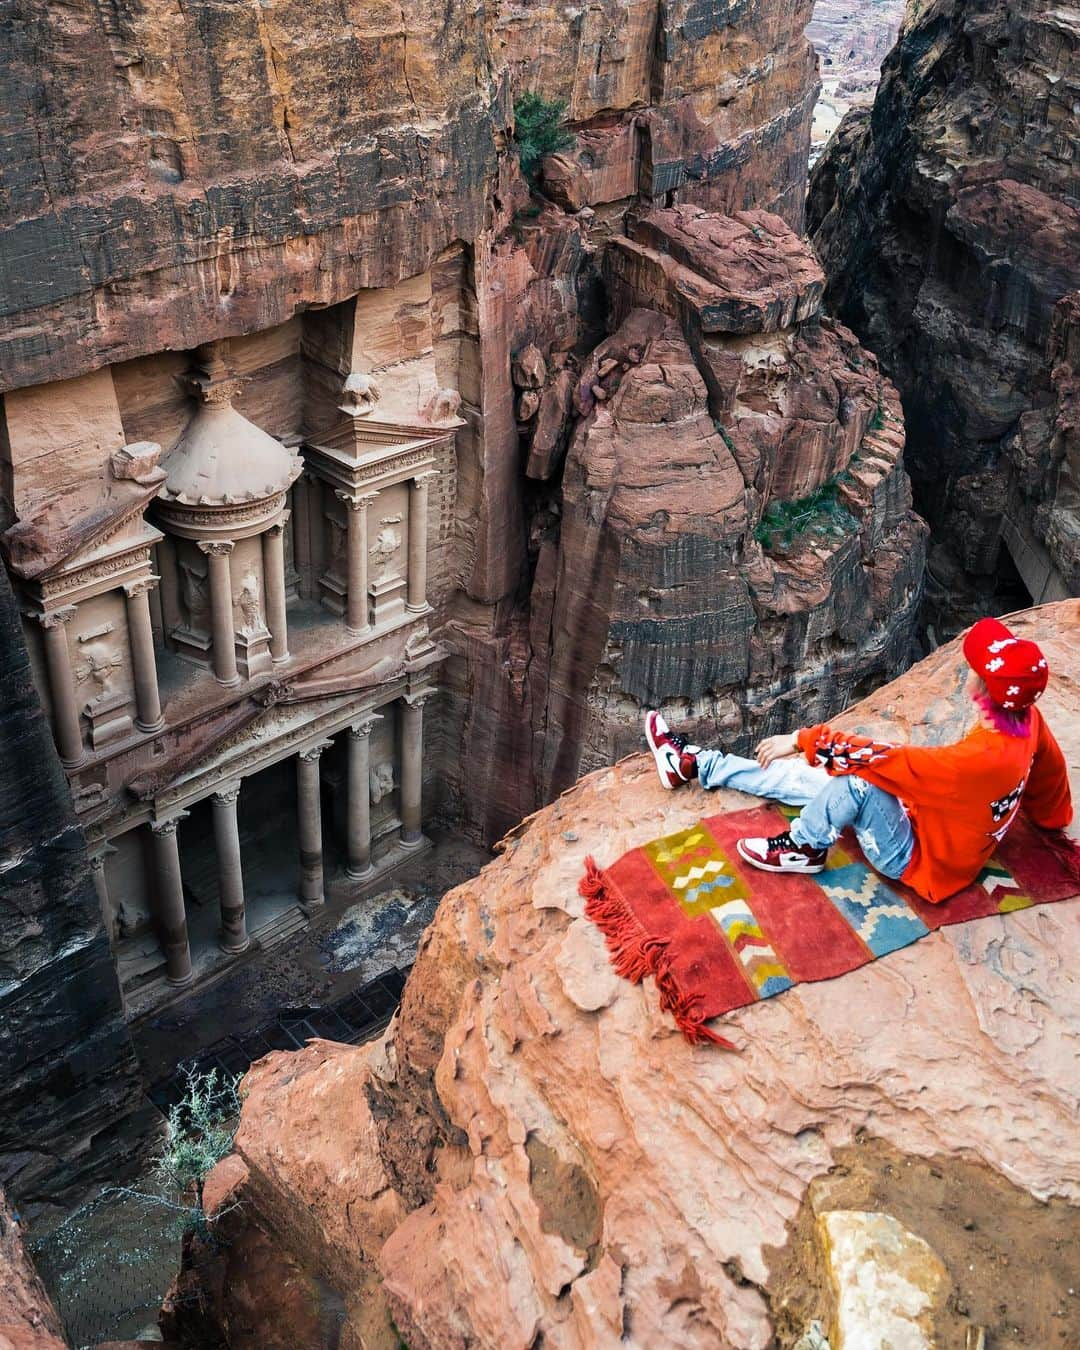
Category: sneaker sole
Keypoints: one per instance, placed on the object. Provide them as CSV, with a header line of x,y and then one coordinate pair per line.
x,y
810,870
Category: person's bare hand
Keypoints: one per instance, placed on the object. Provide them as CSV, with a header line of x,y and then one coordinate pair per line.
x,y
773,748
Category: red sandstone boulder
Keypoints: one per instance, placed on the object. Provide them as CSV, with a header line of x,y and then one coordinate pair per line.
x,y
534,1150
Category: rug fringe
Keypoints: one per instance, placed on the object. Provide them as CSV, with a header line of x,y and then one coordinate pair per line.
x,y
1066,850
634,955
686,1010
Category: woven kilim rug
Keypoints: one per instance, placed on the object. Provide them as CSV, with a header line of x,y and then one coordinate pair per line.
x,y
718,934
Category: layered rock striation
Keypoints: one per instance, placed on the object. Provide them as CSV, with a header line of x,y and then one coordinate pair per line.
x,y
730,533
68,1070
533,1151
703,103
948,224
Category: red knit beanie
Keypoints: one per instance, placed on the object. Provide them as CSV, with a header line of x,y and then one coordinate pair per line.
x,y
1013,669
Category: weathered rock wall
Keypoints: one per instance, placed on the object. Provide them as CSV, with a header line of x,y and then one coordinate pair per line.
x,y
689,101
28,1320
654,460
949,225
66,1063
176,173
533,1150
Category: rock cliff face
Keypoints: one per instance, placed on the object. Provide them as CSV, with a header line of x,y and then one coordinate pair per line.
x,y
28,1320
674,481
666,581
948,225
533,1152
66,1062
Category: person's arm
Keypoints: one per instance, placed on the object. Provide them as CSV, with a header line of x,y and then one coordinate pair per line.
x,y
926,774
1047,799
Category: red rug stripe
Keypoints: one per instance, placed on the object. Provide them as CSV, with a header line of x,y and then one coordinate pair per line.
x,y
806,930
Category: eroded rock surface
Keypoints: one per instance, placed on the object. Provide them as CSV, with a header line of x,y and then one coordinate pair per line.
x,y
948,224
534,1149
28,1320
660,576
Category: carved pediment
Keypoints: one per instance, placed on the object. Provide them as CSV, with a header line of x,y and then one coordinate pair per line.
x,y
62,538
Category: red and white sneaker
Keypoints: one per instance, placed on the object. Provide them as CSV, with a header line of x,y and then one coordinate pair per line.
x,y
676,759
782,854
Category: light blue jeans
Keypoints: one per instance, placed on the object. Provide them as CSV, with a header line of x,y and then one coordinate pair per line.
x,y
880,823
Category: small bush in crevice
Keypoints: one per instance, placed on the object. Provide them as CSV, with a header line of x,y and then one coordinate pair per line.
x,y
822,513
539,131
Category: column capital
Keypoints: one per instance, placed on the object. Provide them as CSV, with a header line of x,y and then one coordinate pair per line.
x,y
216,547
313,752
226,794
97,851
362,729
417,698
278,526
169,826
58,617
355,501
423,480
140,587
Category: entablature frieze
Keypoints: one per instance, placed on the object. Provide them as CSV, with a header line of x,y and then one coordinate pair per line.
x,y
221,522
277,736
80,579
363,477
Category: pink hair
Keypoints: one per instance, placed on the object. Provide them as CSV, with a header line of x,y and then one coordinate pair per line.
x,y
1005,720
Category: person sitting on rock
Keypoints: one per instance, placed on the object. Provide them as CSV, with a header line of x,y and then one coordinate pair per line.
x,y
930,816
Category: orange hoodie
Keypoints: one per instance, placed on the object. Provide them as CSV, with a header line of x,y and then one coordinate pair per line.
x,y
960,798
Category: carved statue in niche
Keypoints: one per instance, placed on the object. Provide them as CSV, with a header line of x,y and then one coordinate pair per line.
x,y
443,407
125,920
387,542
97,668
360,393
381,781
246,600
195,597
337,547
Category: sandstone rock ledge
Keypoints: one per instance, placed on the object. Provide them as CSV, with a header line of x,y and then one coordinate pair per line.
x,y
533,1154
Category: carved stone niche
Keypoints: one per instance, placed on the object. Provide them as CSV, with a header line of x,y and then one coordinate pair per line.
x,y
365,521
84,601
384,777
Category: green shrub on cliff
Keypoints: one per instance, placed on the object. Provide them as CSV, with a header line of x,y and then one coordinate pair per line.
x,y
199,1132
538,130
822,512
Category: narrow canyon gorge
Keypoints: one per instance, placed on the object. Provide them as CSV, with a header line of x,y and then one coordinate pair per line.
x,y
395,404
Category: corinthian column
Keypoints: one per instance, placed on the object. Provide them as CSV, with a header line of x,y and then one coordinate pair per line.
x,y
359,800
302,535
169,901
273,552
98,852
418,542
412,766
234,936
309,826
143,662
221,611
62,686
356,553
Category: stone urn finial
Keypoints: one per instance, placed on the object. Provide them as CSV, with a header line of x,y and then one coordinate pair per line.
x,y
211,378
360,393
